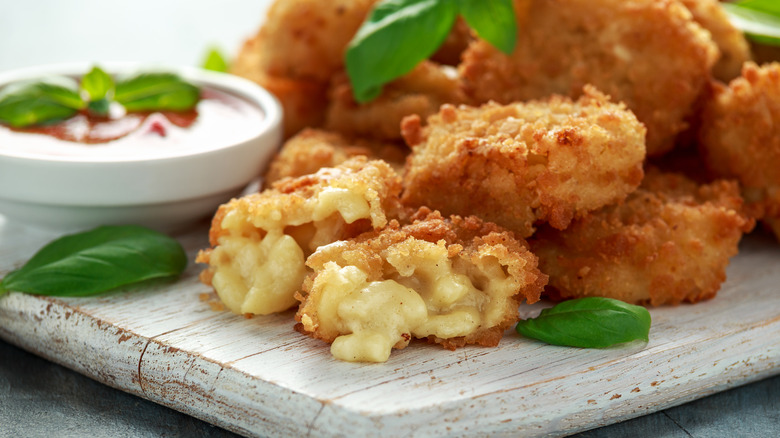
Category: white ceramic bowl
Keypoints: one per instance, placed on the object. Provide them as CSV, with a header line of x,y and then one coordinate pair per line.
x,y
162,190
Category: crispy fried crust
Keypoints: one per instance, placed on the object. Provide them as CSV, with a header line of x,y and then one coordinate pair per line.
x,y
312,149
519,164
303,101
649,54
259,242
732,44
669,242
306,39
740,138
489,256
421,92
289,201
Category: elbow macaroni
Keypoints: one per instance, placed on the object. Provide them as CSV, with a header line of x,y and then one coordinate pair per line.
x,y
372,295
260,241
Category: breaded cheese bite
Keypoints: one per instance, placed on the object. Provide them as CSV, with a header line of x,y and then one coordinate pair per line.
x,y
296,53
523,163
452,281
306,39
740,138
304,101
421,91
733,46
649,54
670,242
259,242
312,149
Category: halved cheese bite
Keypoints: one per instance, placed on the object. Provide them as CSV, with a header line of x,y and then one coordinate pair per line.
x,y
453,281
260,241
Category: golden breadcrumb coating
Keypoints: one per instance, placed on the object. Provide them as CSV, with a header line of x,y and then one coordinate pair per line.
x,y
649,54
522,163
452,281
732,44
306,39
669,242
259,242
422,91
304,102
740,138
312,149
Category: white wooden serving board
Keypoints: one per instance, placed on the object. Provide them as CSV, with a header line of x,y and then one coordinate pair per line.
x,y
258,377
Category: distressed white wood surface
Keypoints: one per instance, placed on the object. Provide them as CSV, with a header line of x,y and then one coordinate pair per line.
x,y
258,377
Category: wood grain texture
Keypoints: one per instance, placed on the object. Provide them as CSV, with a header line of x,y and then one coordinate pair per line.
x,y
258,377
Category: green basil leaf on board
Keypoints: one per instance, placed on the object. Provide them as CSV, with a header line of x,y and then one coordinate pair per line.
x,y
494,21
97,83
41,102
156,92
588,323
397,35
215,61
97,261
759,20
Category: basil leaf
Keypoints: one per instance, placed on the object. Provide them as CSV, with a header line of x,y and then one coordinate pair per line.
x,y
215,61
761,25
589,323
397,35
98,260
97,83
99,107
768,6
34,103
156,92
494,21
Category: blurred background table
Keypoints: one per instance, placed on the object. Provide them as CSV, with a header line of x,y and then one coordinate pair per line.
x,y
41,399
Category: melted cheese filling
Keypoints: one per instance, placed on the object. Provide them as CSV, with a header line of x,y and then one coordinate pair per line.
x,y
259,265
425,293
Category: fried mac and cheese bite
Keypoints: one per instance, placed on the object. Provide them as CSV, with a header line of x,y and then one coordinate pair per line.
x,y
740,138
732,44
304,102
296,53
670,242
649,54
421,91
259,242
312,149
453,281
306,39
523,163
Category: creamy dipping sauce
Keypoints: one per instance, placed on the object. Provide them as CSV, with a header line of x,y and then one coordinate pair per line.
x,y
219,119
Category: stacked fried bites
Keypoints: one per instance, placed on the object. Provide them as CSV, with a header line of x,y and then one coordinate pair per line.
x,y
649,54
453,281
523,163
669,242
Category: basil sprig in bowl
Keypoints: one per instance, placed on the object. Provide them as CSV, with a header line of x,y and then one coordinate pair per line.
x,y
162,184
